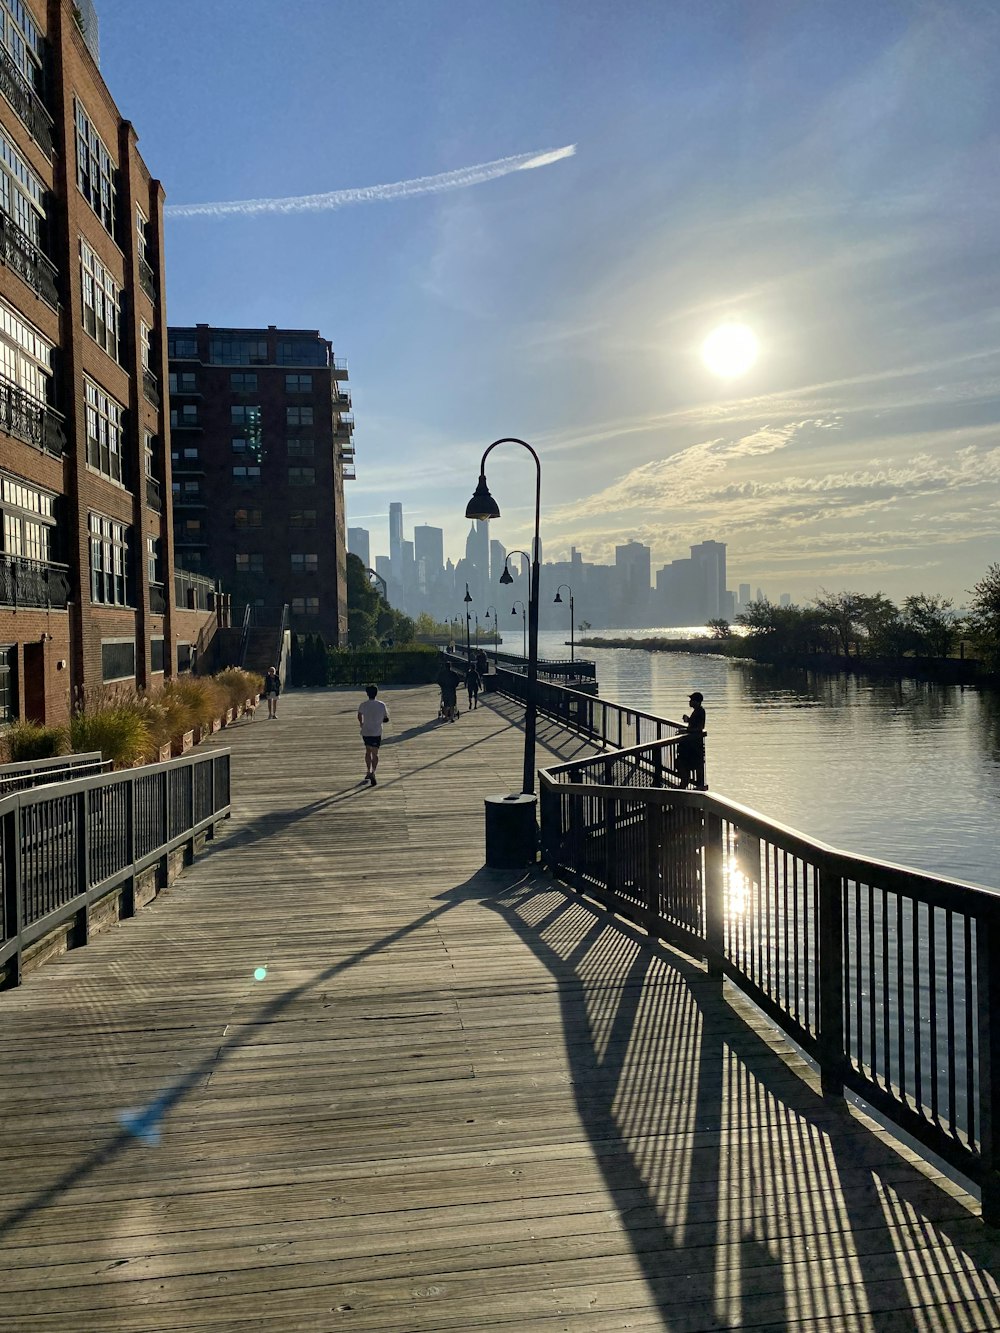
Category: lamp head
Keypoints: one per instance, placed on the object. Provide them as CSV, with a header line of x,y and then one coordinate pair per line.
x,y
506,576
557,598
482,505
513,610
468,595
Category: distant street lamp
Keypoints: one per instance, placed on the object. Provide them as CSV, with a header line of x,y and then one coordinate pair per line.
x,y
496,630
468,622
379,579
524,628
483,506
572,641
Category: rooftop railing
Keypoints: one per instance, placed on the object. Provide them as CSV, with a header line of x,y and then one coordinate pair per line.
x,y
42,772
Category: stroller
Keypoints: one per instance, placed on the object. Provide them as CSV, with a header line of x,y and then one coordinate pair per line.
x,y
448,709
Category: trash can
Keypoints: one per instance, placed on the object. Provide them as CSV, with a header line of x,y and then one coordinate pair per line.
x,y
511,831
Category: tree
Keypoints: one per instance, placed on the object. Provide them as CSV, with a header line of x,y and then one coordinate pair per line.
x,y
984,617
721,628
930,625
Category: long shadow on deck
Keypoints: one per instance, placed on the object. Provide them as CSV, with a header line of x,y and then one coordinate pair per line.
x,y
747,1197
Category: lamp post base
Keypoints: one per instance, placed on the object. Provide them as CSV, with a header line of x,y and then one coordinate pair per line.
x,y
511,831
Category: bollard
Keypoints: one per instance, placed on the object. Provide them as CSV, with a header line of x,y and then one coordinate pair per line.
x,y
511,831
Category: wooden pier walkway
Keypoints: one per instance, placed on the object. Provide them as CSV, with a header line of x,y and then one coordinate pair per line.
x,y
458,1099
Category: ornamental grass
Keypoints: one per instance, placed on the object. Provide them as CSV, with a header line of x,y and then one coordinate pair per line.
x,y
23,741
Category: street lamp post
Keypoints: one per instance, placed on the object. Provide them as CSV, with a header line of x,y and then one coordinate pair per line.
x,y
572,641
524,625
379,579
468,622
496,631
483,506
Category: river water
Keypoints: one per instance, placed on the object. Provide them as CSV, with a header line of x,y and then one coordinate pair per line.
x,y
906,771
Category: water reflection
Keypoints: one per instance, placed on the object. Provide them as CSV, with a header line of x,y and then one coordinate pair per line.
x,y
904,770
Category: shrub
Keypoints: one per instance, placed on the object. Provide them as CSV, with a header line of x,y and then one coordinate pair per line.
x,y
119,730
203,698
30,740
238,686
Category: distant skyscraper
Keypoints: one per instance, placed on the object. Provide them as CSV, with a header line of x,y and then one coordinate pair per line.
x,y
785,599
382,567
396,540
498,560
744,594
428,552
632,565
760,595
710,561
359,544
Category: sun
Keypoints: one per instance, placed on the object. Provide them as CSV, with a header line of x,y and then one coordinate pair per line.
x,y
730,350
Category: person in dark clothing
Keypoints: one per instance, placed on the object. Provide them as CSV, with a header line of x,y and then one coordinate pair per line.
x,y
482,664
473,684
272,688
691,749
448,683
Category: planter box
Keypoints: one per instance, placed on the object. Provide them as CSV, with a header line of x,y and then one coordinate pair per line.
x,y
183,744
165,753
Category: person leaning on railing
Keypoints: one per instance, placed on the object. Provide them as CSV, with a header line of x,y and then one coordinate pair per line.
x,y
691,748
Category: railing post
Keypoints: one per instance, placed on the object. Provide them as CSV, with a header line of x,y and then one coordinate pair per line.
x,y
988,1010
81,926
13,890
715,898
610,865
165,859
651,894
548,799
829,945
128,888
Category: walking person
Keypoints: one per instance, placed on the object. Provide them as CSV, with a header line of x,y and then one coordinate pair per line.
x,y
473,684
272,688
482,664
691,748
372,715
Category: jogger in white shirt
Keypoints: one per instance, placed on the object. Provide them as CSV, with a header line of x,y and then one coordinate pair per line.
x,y
372,714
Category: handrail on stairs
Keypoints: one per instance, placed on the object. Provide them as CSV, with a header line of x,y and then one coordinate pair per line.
x,y
279,657
245,635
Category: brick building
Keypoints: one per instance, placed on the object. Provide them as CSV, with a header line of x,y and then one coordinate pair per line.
x,y
261,431
86,556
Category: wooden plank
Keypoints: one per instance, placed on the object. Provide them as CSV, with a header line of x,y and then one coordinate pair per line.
x,y
460,1099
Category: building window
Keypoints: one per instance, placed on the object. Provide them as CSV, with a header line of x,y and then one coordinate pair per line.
x,y
117,659
104,432
22,194
153,572
25,356
28,524
145,344
187,455
183,381
304,564
245,414
302,476
191,529
303,352
184,657
241,445
248,518
305,606
252,563
149,453
157,657
301,448
185,415
298,383
191,490
302,518
101,302
299,415
238,351
243,381
246,475
142,235
181,347
22,41
96,173
108,561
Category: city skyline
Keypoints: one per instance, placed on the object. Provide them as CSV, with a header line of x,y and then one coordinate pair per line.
x,y
821,174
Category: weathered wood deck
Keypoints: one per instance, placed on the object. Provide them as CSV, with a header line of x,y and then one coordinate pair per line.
x,y
459,1100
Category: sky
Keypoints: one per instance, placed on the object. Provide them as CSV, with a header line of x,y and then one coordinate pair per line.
x,y
824,174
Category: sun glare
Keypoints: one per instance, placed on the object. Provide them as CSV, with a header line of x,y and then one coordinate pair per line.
x,y
730,350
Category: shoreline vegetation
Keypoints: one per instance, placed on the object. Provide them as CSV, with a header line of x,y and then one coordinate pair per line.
x,y
923,638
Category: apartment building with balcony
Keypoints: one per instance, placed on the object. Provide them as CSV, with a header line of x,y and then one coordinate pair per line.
x,y
86,551
262,443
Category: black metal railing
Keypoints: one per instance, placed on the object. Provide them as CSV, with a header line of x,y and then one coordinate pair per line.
x,y
26,102
33,582
150,387
889,978
554,668
42,772
31,421
64,847
194,592
23,257
154,495
147,279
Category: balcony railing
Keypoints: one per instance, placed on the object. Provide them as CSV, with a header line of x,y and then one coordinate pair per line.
x,y
154,497
147,279
157,599
342,402
339,369
26,102
150,387
23,257
30,420
26,582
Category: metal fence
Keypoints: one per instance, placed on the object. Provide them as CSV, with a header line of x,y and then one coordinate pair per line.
x,y
888,977
64,846
41,772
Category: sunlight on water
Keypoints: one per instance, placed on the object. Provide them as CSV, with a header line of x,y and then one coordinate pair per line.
x,y
906,771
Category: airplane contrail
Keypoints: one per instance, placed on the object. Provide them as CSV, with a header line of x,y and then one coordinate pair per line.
x,y
370,194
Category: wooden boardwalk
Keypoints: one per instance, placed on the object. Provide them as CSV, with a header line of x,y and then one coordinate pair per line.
x,y
458,1100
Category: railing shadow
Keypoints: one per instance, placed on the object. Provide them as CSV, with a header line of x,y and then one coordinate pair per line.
x,y
742,1190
